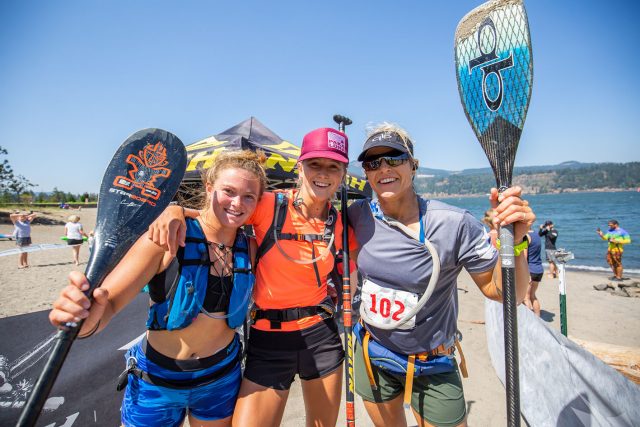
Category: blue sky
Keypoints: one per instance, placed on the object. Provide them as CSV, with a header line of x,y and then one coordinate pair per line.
x,y
78,77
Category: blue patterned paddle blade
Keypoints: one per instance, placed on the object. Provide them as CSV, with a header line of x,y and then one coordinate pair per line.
x,y
494,68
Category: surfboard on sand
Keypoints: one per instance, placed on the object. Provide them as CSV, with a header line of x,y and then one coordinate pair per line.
x,y
84,238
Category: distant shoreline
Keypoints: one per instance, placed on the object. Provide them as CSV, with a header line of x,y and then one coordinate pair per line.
x,y
569,190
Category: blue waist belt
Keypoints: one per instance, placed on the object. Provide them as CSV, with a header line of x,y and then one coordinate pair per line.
x,y
167,363
436,361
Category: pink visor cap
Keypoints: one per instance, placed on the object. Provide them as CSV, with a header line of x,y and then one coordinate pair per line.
x,y
326,143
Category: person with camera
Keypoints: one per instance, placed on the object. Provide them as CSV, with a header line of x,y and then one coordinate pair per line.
x,y
550,235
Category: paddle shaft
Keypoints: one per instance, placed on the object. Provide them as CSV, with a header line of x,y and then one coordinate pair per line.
x,y
347,318
38,397
64,340
509,308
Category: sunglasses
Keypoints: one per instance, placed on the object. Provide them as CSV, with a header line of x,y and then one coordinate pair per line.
x,y
393,161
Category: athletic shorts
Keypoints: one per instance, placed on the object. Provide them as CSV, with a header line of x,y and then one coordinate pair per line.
x,y
74,242
536,277
23,241
614,259
146,404
275,357
438,398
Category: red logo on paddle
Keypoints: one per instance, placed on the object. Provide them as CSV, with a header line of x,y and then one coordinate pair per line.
x,y
144,169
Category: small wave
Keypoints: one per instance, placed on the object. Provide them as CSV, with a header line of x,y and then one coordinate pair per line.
x,y
596,268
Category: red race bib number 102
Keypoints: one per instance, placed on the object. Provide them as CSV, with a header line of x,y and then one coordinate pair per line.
x,y
385,305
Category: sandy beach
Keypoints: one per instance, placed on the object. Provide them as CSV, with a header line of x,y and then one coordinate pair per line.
x,y
592,316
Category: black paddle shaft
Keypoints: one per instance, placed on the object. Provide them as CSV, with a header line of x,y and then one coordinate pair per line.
x,y
347,315
494,70
140,181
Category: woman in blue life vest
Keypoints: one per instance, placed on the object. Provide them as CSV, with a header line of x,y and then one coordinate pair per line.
x,y
294,331
411,250
189,362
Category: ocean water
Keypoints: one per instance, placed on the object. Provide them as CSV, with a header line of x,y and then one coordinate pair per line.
x,y
576,217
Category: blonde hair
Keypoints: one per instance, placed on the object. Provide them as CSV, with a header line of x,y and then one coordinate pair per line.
x,y
247,160
74,218
488,217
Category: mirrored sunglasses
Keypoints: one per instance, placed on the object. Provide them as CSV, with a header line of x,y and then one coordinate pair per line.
x,y
393,161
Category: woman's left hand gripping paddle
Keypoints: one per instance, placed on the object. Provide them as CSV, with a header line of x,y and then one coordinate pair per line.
x,y
140,181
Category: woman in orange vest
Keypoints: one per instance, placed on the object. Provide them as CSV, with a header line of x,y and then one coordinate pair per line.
x,y
294,330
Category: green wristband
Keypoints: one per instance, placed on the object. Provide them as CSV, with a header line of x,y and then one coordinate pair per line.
x,y
517,249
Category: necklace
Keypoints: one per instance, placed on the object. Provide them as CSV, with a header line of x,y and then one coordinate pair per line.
x,y
221,259
220,246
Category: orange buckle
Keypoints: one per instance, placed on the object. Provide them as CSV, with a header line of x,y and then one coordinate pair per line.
x,y
440,350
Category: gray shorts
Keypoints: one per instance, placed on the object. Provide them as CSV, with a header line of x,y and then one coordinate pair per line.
x,y
550,255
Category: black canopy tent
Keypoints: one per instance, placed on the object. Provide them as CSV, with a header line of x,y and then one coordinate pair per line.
x,y
251,134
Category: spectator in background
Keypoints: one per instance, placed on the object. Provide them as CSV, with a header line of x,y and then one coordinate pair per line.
x,y
534,258
22,232
75,234
91,240
550,235
617,237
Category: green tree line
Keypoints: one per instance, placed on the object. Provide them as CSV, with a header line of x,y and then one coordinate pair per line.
x,y
591,177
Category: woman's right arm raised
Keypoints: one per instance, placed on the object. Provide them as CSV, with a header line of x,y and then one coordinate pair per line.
x,y
139,265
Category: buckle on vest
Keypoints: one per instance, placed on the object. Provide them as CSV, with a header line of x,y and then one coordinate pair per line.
x,y
123,378
328,307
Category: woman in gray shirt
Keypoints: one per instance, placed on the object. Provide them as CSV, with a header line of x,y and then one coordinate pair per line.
x,y
405,242
22,232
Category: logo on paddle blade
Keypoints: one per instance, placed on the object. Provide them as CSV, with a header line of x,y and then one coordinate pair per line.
x,y
144,169
490,38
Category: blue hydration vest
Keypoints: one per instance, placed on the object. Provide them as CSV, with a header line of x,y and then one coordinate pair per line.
x,y
186,296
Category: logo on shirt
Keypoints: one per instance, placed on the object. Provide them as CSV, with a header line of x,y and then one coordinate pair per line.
x,y
483,247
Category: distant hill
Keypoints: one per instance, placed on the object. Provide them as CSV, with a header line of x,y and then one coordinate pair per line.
x,y
566,176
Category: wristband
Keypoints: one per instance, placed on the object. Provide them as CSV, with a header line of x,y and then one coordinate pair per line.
x,y
91,332
517,249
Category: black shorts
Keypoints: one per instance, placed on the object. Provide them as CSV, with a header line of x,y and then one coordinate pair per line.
x,y
23,241
536,277
74,242
274,358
